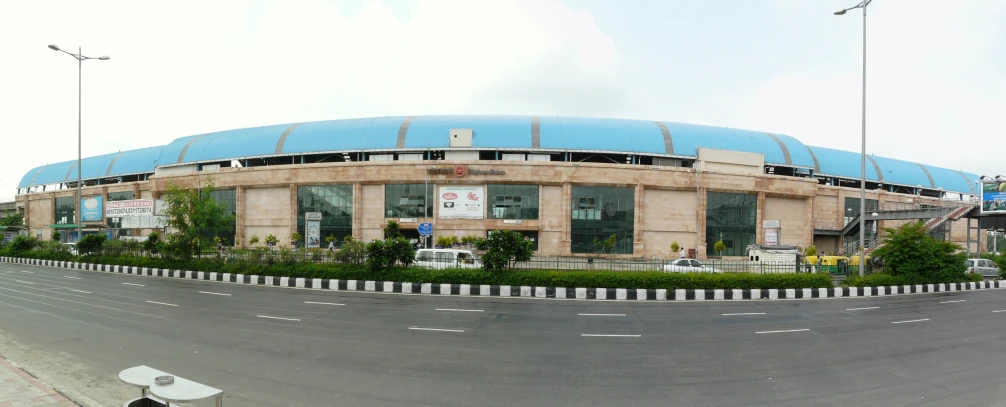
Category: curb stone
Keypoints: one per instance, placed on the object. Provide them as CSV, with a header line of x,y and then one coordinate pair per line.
x,y
521,291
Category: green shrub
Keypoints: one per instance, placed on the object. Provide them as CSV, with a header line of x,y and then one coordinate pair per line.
x,y
911,253
352,252
152,243
392,230
810,251
383,254
22,244
91,244
504,249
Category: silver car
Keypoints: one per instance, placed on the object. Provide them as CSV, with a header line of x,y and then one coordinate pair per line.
x,y
688,266
984,267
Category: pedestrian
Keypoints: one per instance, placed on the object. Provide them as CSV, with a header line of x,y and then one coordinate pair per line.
x,y
682,253
331,247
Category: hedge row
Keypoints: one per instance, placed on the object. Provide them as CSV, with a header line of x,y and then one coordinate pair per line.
x,y
877,280
539,278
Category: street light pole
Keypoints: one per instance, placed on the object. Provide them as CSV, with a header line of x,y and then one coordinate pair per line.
x,y
79,56
862,164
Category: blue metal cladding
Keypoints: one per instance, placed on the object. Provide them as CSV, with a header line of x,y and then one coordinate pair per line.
x,y
252,142
143,160
799,155
348,134
581,133
690,137
169,153
843,164
28,176
902,172
951,180
94,167
487,131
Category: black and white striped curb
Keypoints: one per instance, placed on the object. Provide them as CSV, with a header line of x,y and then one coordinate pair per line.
x,y
521,291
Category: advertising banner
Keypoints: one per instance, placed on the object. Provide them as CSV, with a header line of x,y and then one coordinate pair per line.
x,y
461,202
129,208
312,225
994,197
91,210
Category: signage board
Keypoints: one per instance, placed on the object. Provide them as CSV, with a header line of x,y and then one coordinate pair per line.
x,y
408,220
513,221
90,208
771,237
993,197
312,215
771,224
129,208
461,202
426,229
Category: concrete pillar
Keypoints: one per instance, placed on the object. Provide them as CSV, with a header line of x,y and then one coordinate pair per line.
x,y
637,222
239,216
358,210
567,211
808,237
293,214
759,216
700,218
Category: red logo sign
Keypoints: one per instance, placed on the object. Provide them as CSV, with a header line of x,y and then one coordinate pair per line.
x,y
459,171
450,196
473,197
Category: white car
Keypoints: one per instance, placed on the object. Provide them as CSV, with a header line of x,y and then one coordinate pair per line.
x,y
688,266
984,267
446,258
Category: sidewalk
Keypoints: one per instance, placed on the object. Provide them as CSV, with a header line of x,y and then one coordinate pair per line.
x,y
19,389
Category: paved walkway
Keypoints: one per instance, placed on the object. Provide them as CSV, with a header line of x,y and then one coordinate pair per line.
x,y
19,389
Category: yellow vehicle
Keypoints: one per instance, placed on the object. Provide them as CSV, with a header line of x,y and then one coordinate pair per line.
x,y
826,260
854,260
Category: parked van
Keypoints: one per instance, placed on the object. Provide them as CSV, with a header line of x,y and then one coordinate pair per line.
x,y
446,258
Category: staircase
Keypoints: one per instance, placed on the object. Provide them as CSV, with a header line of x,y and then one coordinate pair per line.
x,y
952,215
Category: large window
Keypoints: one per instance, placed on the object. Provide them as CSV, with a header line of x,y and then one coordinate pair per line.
x,y
408,200
228,199
65,210
731,218
598,213
335,202
513,201
852,209
116,223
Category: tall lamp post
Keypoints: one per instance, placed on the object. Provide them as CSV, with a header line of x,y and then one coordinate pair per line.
x,y
862,164
79,56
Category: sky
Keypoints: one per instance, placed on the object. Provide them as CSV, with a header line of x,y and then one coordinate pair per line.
x,y
936,70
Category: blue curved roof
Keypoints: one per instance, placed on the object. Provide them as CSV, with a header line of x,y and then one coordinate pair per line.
x,y
500,132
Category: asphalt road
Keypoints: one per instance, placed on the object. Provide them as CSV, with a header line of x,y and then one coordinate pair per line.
x,y
270,346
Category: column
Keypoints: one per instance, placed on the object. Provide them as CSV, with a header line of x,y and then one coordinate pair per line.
x,y
637,221
358,210
809,236
567,211
293,213
700,218
239,216
759,216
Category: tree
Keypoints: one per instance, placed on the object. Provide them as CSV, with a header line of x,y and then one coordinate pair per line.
x,y
56,236
152,244
12,219
91,244
910,252
352,252
504,249
675,247
382,254
192,214
608,244
271,240
719,246
392,230
253,241
810,251
296,238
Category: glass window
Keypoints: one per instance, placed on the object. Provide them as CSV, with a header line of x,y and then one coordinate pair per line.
x,y
335,202
228,199
116,223
730,217
425,256
65,210
511,201
443,257
695,263
683,263
598,213
408,200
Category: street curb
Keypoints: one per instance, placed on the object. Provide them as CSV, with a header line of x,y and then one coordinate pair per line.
x,y
522,291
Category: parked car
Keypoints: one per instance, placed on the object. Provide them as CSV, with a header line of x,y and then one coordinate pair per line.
x,y
446,258
984,267
688,266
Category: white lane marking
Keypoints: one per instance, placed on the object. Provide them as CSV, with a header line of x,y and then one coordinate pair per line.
x,y
745,313
611,336
911,320
85,292
857,309
23,282
416,328
601,315
947,302
75,278
1002,310
138,285
784,330
322,303
29,272
285,319
460,310
162,303
210,292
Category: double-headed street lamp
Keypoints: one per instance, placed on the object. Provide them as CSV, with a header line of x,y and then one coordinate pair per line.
x,y
862,164
79,56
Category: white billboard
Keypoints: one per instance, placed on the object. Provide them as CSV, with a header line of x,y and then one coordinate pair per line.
x,y
461,202
132,207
